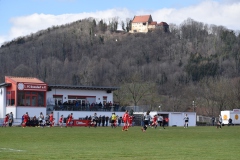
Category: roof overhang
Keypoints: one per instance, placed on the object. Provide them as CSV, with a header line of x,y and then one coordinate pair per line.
x,y
5,84
82,87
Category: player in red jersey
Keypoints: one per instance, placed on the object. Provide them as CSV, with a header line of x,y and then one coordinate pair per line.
x,y
125,121
25,120
51,119
61,121
154,122
69,121
130,121
5,120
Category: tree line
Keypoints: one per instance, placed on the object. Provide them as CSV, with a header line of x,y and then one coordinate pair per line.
x,y
192,62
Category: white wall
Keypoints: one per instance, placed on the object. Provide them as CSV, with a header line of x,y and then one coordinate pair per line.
x,y
2,102
235,115
32,111
177,118
65,92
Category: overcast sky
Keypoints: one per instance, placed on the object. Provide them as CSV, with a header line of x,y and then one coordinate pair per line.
x,y
23,17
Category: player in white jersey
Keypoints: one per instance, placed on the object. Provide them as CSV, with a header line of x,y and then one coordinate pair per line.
x,y
186,119
146,119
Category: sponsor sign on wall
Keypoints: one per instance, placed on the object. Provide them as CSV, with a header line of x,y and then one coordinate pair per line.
x,y
31,87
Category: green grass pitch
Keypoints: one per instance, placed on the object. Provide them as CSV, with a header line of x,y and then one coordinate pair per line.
x,y
203,143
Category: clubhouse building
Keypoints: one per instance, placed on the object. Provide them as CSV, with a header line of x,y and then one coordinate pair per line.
x,y
28,94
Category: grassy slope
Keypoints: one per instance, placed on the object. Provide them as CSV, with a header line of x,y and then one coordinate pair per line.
x,y
106,143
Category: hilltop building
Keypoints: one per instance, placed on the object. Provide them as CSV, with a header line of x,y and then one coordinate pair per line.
x,y
145,23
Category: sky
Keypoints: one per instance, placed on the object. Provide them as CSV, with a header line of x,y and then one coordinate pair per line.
x,y
22,17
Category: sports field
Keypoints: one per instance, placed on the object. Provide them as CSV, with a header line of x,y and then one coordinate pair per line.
x,y
106,143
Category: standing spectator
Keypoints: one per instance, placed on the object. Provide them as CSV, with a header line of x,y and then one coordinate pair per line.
x,y
22,118
77,105
99,120
125,121
100,105
87,106
147,118
6,119
103,120
119,120
213,120
230,121
10,119
186,118
142,120
107,120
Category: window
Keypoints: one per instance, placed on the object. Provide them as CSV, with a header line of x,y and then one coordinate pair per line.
x,y
30,98
10,98
104,99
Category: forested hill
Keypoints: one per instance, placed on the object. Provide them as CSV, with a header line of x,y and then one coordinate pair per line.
x,y
182,64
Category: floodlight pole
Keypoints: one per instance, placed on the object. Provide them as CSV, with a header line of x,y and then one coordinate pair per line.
x,y
193,104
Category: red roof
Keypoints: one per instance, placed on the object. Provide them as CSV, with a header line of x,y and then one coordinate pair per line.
x,y
143,18
153,23
162,24
24,79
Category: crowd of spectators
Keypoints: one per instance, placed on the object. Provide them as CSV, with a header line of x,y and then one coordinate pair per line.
x,y
78,106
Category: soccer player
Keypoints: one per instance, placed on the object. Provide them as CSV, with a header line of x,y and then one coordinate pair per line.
x,y
69,121
130,121
219,124
5,120
186,121
53,122
147,118
93,120
113,120
154,122
51,119
160,120
61,121
41,119
125,121
25,120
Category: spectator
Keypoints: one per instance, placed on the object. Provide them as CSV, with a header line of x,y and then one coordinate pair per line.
x,y
230,121
103,120
107,120
213,121
10,119
99,120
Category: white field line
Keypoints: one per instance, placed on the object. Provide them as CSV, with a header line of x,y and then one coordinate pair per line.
x,y
10,150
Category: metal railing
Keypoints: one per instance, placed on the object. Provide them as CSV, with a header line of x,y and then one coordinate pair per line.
x,y
85,108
